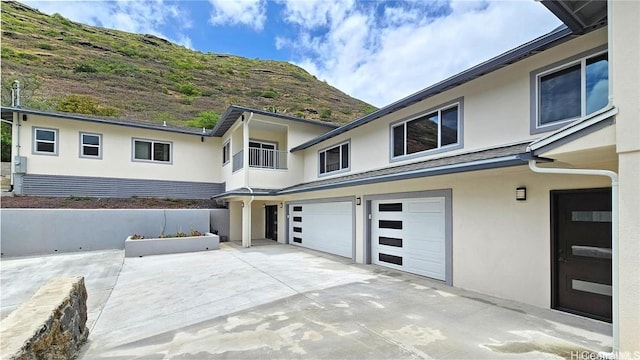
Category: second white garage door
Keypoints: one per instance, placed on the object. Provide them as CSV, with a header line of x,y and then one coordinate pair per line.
x,y
325,227
409,235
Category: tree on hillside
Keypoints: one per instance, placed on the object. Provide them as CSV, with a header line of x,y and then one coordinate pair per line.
x,y
84,104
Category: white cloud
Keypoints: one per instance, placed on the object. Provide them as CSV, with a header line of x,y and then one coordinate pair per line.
x,y
314,13
252,13
143,17
382,58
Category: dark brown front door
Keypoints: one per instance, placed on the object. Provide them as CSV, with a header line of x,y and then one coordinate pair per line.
x,y
581,252
271,222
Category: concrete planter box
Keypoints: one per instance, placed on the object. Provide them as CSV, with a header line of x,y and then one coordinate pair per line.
x,y
143,247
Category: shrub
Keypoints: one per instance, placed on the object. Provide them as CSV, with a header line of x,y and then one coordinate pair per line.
x,y
269,94
205,119
325,114
45,46
188,89
86,68
83,104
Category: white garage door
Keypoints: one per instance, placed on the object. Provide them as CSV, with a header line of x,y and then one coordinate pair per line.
x,y
325,227
409,235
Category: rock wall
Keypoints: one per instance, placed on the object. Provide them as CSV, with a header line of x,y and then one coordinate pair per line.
x,y
50,325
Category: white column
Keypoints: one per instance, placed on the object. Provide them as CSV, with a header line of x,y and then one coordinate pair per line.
x,y
246,223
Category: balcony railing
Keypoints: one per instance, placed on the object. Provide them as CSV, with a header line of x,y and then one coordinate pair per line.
x,y
237,160
267,158
261,158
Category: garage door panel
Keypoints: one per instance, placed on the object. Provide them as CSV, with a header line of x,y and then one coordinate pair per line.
x,y
325,227
409,235
424,206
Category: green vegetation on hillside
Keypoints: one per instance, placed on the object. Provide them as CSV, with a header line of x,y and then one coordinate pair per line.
x,y
86,69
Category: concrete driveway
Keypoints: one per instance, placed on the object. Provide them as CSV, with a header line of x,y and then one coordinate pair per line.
x,y
280,301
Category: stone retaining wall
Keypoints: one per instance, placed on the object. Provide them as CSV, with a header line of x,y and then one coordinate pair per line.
x,y
50,325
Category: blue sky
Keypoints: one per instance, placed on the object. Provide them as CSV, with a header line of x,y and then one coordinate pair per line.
x,y
377,51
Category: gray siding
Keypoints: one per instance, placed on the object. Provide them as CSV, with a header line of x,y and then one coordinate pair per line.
x,y
54,185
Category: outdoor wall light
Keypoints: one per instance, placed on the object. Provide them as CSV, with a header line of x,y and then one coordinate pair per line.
x,y
521,193
358,201
242,204
281,205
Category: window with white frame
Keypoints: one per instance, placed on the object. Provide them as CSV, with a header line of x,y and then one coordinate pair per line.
x,y
45,141
570,91
151,150
226,152
335,158
437,129
90,145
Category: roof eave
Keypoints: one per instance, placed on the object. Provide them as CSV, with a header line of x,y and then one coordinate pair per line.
x,y
116,122
233,112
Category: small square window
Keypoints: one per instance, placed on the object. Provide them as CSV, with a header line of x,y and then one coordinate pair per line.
x,y
90,145
45,141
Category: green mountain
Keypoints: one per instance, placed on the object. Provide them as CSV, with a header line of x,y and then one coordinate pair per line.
x,y
67,66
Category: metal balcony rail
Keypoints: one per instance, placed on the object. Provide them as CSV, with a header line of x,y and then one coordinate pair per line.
x,y
261,158
267,158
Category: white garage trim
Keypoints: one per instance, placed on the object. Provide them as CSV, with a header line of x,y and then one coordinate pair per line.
x,y
313,236
448,228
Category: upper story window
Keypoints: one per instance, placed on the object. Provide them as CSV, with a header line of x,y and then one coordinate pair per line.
x,y
438,129
45,141
569,91
226,152
90,145
335,158
151,150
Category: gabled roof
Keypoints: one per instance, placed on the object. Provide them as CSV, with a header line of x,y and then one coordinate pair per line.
x,y
555,37
6,111
233,112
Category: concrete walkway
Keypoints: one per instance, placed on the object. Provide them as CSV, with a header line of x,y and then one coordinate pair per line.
x,y
21,277
280,301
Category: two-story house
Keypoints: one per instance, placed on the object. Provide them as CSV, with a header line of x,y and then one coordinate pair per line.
x,y
518,178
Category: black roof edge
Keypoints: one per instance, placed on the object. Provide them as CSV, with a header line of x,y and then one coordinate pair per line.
x,y
114,121
234,110
555,37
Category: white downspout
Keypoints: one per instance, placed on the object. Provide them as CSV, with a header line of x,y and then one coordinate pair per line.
x,y
614,234
246,210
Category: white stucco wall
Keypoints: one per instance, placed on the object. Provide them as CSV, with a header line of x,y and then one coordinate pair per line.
x,y
192,159
501,246
286,134
625,57
496,112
